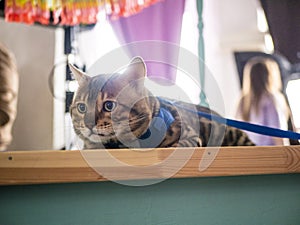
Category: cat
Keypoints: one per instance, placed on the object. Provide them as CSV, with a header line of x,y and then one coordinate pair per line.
x,y
118,111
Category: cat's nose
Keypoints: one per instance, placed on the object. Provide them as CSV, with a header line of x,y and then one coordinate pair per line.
x,y
90,125
89,121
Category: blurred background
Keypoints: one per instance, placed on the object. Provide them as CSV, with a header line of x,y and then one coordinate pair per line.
x,y
224,33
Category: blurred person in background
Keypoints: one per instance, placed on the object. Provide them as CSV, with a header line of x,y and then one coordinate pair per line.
x,y
9,83
262,101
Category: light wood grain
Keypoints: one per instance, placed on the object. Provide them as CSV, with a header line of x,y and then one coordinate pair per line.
x,y
33,167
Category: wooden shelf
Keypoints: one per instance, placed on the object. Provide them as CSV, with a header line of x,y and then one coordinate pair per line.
x,y
36,167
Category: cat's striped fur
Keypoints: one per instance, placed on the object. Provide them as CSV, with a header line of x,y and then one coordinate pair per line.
x,y
115,111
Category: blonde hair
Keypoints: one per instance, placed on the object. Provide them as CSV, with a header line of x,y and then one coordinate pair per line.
x,y
261,77
7,61
8,95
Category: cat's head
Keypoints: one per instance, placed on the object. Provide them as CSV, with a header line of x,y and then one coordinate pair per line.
x,y
110,108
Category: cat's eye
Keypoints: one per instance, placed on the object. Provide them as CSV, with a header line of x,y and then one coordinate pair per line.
x,y
109,106
81,107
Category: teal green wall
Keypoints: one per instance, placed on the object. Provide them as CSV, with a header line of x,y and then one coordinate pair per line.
x,y
258,200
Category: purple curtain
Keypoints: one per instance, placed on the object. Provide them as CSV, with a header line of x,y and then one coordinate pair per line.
x,y
154,34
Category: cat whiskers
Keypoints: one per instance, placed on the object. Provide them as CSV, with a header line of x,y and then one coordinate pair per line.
x,y
92,136
133,120
103,130
125,128
132,128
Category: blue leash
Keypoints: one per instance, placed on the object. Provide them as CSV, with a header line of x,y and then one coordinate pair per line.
x,y
259,129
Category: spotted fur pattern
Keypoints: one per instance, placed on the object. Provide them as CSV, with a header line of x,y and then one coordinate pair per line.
x,y
116,110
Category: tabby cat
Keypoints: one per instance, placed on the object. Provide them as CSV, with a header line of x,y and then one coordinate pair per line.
x,y
118,111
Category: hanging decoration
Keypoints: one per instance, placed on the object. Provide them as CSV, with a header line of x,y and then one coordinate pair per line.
x,y
201,55
157,40
71,12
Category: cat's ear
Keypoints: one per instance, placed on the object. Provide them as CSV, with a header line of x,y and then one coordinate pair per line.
x,y
136,69
79,75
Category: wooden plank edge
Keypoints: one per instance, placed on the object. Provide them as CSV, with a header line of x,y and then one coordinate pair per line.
x,y
37,167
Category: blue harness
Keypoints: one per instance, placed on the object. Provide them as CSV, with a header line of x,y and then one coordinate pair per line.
x,y
166,117
161,123
157,129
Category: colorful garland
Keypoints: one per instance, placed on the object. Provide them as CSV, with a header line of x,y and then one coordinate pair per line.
x,y
73,12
